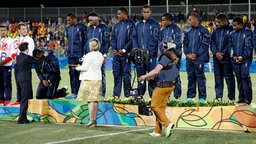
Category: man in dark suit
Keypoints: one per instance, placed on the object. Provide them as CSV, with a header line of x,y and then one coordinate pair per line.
x,y
24,65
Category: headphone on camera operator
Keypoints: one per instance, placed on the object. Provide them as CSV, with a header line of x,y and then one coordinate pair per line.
x,y
172,53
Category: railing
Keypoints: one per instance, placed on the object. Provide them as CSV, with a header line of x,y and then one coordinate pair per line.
x,y
38,14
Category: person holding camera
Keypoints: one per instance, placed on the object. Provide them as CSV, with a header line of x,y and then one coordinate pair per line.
x,y
166,72
171,33
146,37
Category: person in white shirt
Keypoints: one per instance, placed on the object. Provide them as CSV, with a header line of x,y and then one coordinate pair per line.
x,y
6,57
91,86
22,37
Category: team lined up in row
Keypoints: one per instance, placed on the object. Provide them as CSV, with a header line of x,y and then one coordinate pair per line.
x,y
231,47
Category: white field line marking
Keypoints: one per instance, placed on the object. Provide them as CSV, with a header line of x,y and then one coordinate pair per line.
x,y
94,136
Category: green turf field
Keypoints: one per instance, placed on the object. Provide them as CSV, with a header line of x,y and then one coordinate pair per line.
x,y
39,133
110,84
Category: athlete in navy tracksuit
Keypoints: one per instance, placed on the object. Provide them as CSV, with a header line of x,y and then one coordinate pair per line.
x,y
171,33
221,58
240,46
146,37
254,37
196,48
76,33
48,72
122,45
99,30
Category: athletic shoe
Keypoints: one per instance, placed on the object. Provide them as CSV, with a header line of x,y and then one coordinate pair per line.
x,y
153,134
16,104
116,97
217,100
201,100
188,100
7,103
177,99
231,101
169,130
72,96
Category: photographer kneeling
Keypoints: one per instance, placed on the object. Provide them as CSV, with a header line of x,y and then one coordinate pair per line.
x,y
166,72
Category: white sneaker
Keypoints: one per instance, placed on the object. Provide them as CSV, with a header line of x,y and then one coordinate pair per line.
x,y
169,130
153,134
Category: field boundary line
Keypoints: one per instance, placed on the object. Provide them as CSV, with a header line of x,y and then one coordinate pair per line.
x,y
95,136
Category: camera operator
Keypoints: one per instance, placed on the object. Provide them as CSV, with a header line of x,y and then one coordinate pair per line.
x,y
166,72
172,33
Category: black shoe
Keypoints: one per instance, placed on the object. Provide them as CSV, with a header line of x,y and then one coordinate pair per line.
x,y
240,101
247,102
24,122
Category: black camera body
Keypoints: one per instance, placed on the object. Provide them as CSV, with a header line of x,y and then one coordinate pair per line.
x,y
134,92
138,56
143,109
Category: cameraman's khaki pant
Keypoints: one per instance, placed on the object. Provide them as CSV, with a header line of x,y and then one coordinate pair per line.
x,y
158,103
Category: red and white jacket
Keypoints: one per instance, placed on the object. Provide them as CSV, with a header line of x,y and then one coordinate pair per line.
x,y
7,50
18,40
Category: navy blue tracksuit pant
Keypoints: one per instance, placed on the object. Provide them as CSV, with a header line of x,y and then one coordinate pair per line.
x,y
74,75
244,84
177,90
224,70
197,78
47,92
103,80
141,69
5,83
121,72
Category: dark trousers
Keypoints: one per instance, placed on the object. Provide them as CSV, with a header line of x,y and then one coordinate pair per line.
x,y
122,73
141,69
74,80
244,84
5,83
197,78
221,71
47,92
25,87
177,90
103,80
18,88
